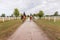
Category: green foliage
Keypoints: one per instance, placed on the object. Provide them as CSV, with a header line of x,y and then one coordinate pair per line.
x,y
3,15
11,15
27,15
40,14
34,14
56,13
16,12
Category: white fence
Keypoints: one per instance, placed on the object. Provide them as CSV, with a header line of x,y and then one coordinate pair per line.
x,y
54,18
8,18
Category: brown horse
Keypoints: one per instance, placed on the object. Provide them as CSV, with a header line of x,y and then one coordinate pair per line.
x,y
30,18
24,18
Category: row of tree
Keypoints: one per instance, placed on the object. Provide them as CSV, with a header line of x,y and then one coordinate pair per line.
x,y
41,14
16,13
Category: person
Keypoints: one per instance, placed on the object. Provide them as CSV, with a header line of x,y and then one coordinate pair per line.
x,y
30,18
24,17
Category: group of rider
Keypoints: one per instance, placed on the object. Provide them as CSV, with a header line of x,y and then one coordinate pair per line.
x,y
23,17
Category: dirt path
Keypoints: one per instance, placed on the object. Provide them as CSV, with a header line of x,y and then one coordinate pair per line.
x,y
28,31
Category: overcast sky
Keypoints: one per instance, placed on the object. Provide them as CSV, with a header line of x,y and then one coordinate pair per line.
x,y
29,6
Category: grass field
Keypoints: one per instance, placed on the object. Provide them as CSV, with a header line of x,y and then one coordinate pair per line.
x,y
8,27
52,29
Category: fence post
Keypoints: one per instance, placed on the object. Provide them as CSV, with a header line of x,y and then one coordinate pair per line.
x,y
3,19
9,18
54,19
15,17
49,18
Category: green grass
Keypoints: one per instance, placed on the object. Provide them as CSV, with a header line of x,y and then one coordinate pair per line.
x,y
51,28
7,28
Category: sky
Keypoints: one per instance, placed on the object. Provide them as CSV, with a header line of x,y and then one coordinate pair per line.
x,y
29,6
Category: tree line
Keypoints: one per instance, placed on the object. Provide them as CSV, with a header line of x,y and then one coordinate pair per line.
x,y
40,14
16,13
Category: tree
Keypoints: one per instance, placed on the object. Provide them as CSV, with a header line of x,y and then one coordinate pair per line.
x,y
3,15
56,13
11,15
27,15
16,12
34,15
40,14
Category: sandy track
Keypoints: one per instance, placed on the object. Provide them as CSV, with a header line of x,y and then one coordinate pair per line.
x,y
29,31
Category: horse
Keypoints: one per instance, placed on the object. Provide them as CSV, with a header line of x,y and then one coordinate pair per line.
x,y
24,18
30,18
